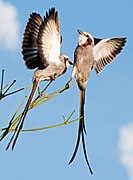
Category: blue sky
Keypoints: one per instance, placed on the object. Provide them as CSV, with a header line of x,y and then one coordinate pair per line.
x,y
109,98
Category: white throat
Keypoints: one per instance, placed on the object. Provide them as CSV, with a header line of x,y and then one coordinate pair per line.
x,y
82,39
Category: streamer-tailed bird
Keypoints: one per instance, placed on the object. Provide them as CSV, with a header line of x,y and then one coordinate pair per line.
x,y
91,53
41,50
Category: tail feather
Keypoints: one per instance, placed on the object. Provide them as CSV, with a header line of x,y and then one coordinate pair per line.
x,y
81,131
82,126
76,149
85,153
82,103
21,121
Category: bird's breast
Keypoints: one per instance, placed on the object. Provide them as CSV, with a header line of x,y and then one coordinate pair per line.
x,y
84,60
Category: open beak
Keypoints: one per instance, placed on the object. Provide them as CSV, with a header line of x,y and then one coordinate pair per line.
x,y
79,31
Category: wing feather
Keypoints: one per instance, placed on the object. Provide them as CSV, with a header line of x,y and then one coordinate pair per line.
x,y
106,50
49,38
29,44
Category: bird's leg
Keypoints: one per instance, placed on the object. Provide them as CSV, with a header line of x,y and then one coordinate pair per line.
x,y
47,86
39,92
66,86
54,76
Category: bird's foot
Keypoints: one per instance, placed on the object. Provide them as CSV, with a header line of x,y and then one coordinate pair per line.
x,y
82,79
54,76
65,88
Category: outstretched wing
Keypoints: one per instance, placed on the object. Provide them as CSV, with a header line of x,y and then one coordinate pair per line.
x,y
29,44
49,38
105,51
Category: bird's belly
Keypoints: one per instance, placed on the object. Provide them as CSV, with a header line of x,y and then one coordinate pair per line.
x,y
49,73
84,67
84,64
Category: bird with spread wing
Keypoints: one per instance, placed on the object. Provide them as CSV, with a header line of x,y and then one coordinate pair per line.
x,y
91,53
41,50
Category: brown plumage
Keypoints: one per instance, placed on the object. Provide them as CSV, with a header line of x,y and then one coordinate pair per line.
x,y
41,49
91,52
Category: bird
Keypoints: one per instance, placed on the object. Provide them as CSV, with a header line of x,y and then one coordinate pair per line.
x,y
41,49
90,53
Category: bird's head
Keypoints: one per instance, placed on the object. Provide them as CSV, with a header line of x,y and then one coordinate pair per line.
x,y
85,38
66,60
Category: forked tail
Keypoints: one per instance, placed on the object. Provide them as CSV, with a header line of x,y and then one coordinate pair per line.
x,y
81,131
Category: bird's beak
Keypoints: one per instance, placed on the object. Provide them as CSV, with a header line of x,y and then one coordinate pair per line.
x,y
70,62
79,31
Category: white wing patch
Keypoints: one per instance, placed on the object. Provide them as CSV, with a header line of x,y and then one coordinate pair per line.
x,y
51,47
49,39
105,52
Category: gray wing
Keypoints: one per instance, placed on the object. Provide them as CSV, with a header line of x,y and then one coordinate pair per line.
x,y
105,52
29,43
49,38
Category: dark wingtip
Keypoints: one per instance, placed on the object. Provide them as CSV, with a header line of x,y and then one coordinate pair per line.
x,y
52,10
125,40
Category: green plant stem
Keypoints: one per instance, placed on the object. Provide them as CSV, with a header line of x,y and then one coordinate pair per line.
x,y
47,127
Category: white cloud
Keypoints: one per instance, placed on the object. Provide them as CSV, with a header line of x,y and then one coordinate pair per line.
x,y
9,26
126,148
